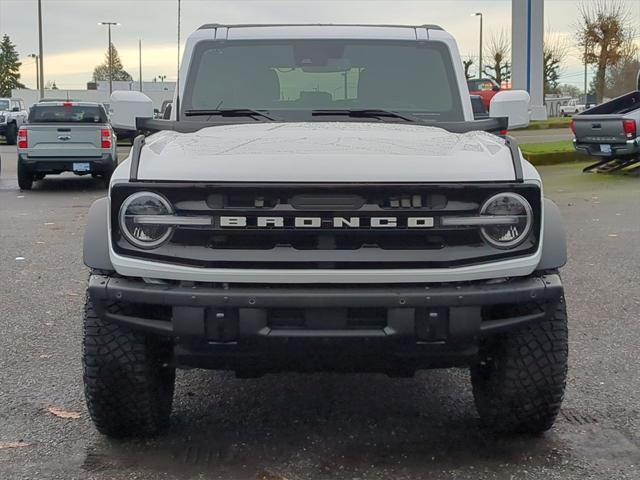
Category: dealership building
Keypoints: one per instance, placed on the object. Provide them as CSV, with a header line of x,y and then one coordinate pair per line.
x,y
99,92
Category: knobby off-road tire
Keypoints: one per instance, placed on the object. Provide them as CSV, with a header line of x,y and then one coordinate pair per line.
x,y
25,177
519,383
128,383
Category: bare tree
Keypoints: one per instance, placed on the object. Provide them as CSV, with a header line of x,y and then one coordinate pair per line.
x,y
467,64
622,76
554,55
604,28
569,90
498,53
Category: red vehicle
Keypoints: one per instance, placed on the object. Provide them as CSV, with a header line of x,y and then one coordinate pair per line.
x,y
485,88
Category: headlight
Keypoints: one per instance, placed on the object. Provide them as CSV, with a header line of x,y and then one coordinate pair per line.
x,y
511,207
136,219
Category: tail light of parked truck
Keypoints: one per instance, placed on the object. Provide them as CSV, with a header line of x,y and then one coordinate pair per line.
x,y
106,135
22,138
629,127
572,127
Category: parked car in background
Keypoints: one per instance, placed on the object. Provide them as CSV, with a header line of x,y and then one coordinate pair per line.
x,y
609,130
572,108
486,88
65,137
165,110
479,110
12,115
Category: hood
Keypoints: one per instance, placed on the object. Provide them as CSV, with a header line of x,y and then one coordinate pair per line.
x,y
325,152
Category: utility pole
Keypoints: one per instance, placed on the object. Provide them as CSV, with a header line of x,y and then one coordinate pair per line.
x,y
177,105
140,62
479,14
40,57
110,54
585,72
33,55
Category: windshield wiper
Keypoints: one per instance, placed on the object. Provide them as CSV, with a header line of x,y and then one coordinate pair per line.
x,y
228,112
367,113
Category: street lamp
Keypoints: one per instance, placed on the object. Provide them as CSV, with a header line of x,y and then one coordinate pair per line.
x,y
40,54
110,53
37,59
162,78
479,14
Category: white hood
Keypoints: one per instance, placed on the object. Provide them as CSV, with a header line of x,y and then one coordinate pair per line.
x,y
325,152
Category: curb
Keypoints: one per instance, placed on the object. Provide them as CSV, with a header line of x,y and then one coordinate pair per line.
x,y
555,158
545,126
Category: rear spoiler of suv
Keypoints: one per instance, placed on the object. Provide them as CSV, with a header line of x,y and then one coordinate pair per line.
x,y
150,125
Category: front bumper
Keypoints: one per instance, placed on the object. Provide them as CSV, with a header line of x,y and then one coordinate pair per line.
x,y
377,328
52,165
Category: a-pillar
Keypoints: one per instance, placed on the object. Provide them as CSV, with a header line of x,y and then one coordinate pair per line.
x,y
527,34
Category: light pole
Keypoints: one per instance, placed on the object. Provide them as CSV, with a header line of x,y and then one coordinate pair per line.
x,y
479,14
110,54
162,78
37,58
40,57
140,62
585,71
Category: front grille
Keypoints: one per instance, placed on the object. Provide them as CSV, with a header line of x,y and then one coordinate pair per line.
x,y
322,243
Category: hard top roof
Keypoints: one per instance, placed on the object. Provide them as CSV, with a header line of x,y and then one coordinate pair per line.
x,y
319,31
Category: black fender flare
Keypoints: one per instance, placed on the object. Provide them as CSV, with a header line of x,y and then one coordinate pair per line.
x,y
554,238
95,252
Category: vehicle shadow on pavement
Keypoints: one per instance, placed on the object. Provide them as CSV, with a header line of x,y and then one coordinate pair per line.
x,y
323,426
64,184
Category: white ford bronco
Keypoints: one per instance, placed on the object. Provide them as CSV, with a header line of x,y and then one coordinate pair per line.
x,y
322,199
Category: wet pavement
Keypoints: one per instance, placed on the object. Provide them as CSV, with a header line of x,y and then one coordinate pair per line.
x,y
321,426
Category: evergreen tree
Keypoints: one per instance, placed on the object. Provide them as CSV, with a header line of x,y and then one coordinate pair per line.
x,y
9,67
101,72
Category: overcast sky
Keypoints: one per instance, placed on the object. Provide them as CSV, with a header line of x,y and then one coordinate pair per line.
x,y
74,43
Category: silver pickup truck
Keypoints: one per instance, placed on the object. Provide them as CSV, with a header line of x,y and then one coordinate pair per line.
x,y
609,130
66,137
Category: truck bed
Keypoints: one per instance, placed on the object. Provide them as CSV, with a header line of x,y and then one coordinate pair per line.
x,y
610,129
620,105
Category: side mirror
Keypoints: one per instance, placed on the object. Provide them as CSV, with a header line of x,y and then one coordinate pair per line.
x,y
126,106
513,104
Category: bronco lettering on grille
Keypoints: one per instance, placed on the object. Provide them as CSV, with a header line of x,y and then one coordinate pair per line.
x,y
325,222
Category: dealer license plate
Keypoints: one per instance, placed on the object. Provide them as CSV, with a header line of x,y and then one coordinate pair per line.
x,y
81,167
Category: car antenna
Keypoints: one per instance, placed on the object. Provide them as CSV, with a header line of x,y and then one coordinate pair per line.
x,y
178,77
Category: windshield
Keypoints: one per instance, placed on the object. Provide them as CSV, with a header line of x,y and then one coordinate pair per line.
x,y
4,104
47,113
324,74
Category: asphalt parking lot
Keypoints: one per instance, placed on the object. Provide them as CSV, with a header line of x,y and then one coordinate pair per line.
x,y
315,426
